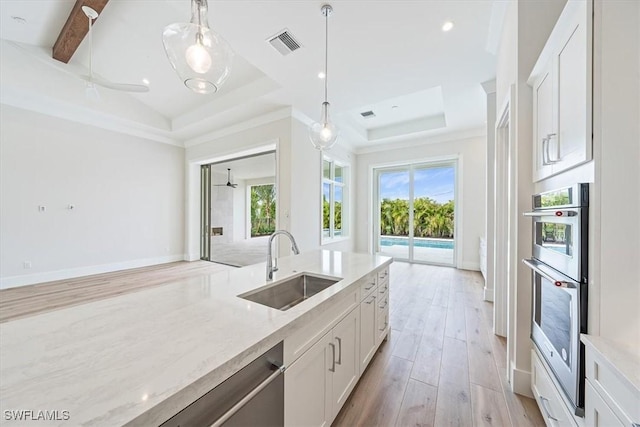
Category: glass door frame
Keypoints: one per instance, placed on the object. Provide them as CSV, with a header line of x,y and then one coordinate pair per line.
x,y
411,167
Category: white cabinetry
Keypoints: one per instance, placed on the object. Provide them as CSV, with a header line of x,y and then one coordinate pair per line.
x,y
613,384
326,358
368,330
320,381
306,387
346,370
382,309
554,411
562,92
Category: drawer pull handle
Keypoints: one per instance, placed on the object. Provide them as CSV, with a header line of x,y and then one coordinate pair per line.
x,y
373,298
333,357
370,286
384,327
235,408
339,362
545,402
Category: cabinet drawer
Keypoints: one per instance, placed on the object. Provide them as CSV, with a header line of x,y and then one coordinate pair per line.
x,y
597,412
383,288
622,399
383,274
552,407
367,285
383,302
301,340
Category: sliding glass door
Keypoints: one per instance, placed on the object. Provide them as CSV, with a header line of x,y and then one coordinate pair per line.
x,y
415,212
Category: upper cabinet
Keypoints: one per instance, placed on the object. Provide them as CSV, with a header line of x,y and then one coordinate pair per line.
x,y
562,93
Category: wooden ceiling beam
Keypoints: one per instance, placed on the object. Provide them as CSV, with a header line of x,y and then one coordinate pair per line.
x,y
75,29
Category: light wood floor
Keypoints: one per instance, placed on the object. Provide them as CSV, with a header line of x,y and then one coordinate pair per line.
x,y
441,366
29,300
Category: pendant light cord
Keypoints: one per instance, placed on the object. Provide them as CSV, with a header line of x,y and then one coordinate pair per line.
x,y
326,52
90,50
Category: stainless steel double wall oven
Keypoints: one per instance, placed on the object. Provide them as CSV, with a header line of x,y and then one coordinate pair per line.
x,y
559,278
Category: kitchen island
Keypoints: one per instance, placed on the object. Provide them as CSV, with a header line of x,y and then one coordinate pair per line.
x,y
139,359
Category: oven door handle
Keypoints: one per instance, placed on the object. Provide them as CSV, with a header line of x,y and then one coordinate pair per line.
x,y
559,283
558,213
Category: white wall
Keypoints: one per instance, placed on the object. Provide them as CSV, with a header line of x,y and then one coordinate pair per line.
x,y
127,194
614,312
472,155
526,29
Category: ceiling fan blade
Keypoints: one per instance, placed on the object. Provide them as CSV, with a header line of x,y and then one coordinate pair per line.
x,y
91,78
124,87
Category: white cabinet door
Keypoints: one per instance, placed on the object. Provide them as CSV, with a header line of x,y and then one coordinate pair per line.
x,y
382,313
573,69
562,94
347,366
368,330
543,119
307,387
597,412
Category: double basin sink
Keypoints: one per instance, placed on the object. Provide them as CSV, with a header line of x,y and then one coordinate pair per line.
x,y
291,291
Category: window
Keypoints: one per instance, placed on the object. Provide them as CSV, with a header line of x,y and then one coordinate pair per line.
x,y
334,200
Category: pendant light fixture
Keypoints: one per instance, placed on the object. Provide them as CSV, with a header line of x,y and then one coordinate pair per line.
x,y
324,133
200,56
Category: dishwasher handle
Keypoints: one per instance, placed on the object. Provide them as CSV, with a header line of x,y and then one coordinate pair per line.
x,y
242,402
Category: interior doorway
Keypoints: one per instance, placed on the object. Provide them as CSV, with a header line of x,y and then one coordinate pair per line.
x,y
415,211
505,209
238,208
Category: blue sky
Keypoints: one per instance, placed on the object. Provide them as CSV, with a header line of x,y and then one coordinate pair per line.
x,y
437,183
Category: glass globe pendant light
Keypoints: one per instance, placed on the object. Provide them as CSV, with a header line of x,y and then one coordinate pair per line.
x,y
201,57
324,133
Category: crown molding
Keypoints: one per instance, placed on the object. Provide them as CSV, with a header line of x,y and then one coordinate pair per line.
x,y
67,111
264,119
417,140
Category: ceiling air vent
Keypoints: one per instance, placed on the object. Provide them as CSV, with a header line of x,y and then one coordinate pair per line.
x,y
284,42
368,114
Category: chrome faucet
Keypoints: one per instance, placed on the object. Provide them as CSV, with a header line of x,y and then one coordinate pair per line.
x,y
294,247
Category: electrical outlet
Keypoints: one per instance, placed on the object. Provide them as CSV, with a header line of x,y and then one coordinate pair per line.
x,y
42,208
26,264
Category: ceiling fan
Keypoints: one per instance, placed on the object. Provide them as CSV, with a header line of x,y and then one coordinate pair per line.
x,y
228,184
93,80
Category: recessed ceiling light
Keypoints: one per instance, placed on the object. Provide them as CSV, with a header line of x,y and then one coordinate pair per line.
x,y
393,107
19,19
447,26
321,75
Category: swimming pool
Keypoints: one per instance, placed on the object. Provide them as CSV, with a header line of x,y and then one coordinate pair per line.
x,y
418,242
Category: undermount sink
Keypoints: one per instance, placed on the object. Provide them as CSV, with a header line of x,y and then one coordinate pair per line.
x,y
290,292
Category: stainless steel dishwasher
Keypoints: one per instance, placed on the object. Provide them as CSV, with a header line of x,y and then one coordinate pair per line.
x,y
253,396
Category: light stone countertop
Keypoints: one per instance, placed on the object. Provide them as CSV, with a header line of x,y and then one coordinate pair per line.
x,y
140,358
621,360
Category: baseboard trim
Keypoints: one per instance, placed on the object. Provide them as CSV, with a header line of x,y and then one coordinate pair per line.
x,y
191,257
49,276
475,266
488,294
521,382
